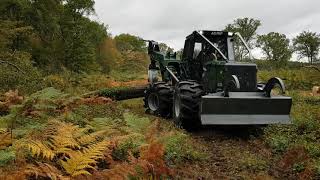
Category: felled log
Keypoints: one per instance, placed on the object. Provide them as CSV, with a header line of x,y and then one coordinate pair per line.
x,y
119,93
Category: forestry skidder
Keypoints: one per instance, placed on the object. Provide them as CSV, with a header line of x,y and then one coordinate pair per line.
x,y
208,87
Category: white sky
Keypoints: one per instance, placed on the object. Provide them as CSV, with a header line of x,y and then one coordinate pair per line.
x,y
171,21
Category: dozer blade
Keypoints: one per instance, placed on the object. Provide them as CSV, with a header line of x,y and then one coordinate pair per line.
x,y
245,108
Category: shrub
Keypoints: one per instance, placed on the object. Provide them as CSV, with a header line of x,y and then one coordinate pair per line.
x,y
129,146
27,79
303,79
279,143
136,124
6,157
179,149
253,162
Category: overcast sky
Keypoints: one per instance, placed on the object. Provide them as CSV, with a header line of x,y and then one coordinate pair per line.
x,y
170,21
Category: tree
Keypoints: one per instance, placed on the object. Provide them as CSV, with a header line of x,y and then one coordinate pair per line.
x,y
307,44
180,53
82,7
63,35
165,48
16,69
275,46
127,42
247,27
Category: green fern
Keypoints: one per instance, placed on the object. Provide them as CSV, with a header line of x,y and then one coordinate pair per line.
x,y
48,94
6,156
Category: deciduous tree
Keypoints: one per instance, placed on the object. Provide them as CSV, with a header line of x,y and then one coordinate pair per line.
x,y
127,42
307,44
247,27
275,46
165,48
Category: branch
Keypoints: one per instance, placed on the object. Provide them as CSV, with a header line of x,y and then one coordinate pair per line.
x,y
313,67
13,65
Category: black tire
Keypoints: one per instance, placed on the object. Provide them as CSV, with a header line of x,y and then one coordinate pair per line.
x,y
186,105
158,99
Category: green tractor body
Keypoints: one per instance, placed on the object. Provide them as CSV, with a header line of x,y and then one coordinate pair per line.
x,y
209,87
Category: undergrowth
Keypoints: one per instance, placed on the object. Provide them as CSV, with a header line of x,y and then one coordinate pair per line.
x,y
302,136
50,134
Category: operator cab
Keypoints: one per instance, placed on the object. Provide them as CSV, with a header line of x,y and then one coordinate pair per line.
x,y
209,58
215,44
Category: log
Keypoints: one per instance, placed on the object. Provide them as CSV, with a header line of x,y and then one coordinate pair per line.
x,y
119,93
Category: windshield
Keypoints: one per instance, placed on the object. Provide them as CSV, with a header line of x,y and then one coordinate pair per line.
x,y
223,46
215,46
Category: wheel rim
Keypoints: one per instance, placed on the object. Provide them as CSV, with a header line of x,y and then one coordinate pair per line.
x,y
153,102
177,107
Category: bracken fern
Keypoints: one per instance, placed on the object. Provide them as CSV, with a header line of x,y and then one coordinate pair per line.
x,y
77,149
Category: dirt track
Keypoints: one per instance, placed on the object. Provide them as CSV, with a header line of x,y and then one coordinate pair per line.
x,y
229,149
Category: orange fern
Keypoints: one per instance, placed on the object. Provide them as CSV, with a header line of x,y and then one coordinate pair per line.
x,y
5,139
154,154
80,162
39,149
43,170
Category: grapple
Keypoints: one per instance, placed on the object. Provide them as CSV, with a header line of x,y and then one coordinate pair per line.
x,y
247,108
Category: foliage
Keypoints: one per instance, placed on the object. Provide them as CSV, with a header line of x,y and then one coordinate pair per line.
x,y
164,48
43,170
62,34
99,140
18,71
57,40
294,79
79,149
270,66
134,66
136,124
275,46
79,161
307,44
111,55
297,144
179,149
129,146
247,27
127,42
253,162
6,157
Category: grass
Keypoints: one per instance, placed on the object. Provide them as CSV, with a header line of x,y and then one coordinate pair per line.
x,y
295,79
303,133
253,162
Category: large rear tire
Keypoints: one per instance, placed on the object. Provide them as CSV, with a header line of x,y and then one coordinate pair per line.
x,y
158,99
186,105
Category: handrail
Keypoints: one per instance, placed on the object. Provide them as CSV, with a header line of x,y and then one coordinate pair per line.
x,y
172,74
245,44
224,57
